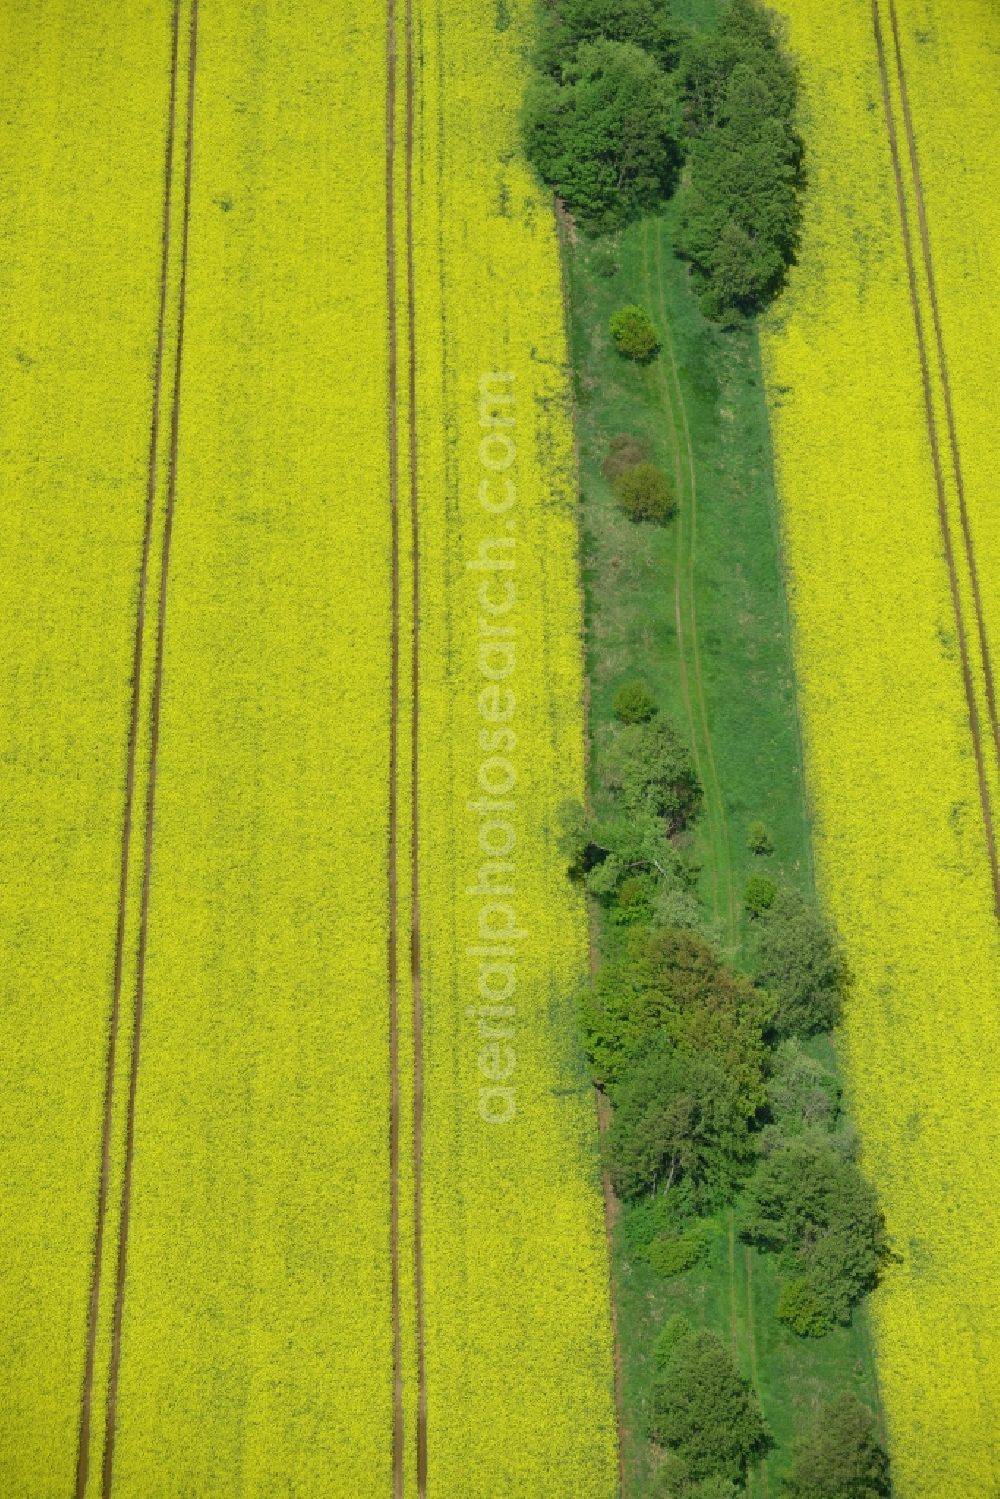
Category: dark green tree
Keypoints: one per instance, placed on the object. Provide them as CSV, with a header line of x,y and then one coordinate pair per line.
x,y
605,134
649,772
672,983
797,958
814,1208
677,1116
739,205
705,1411
842,1458
567,23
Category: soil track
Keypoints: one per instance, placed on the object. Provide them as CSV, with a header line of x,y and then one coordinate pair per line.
x,y
393,860
86,1400
956,457
126,1204
415,946
967,675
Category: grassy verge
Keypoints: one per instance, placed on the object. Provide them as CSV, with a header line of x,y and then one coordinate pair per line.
x,y
698,609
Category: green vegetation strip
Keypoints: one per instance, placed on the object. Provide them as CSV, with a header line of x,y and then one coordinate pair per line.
x,y
696,609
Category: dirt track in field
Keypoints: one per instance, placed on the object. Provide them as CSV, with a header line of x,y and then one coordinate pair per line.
x,y
86,1400
956,456
155,702
415,948
925,370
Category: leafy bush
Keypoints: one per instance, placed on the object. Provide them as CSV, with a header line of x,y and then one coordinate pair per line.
x,y
604,132
739,205
796,957
842,1458
671,1254
643,493
673,1331
703,1409
759,894
759,839
634,703
802,1310
815,1209
633,334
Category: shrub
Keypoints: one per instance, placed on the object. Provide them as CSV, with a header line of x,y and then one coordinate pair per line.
x,y
801,1309
633,334
759,895
634,703
798,960
671,1254
842,1458
759,839
604,132
671,1333
643,493
703,1409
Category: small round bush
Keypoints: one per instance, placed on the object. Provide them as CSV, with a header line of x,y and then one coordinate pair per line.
x,y
759,894
634,703
633,334
759,839
673,1253
643,493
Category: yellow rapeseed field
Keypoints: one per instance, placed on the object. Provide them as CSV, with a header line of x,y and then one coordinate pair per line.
x,y
519,1367
80,216
902,851
256,1351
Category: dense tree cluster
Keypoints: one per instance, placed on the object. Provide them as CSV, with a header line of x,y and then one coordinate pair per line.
x,y
621,97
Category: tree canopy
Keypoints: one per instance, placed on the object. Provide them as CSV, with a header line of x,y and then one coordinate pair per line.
x,y
605,133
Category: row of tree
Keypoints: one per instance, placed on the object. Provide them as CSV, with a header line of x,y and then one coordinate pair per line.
x,y
625,106
718,1098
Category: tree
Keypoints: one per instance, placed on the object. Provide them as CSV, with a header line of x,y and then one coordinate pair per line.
x,y
633,334
568,23
677,1115
648,770
797,958
739,205
703,1409
605,134
815,1209
643,493
634,703
842,1458
671,982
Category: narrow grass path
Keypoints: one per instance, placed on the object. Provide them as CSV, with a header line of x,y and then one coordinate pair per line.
x,y
665,389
